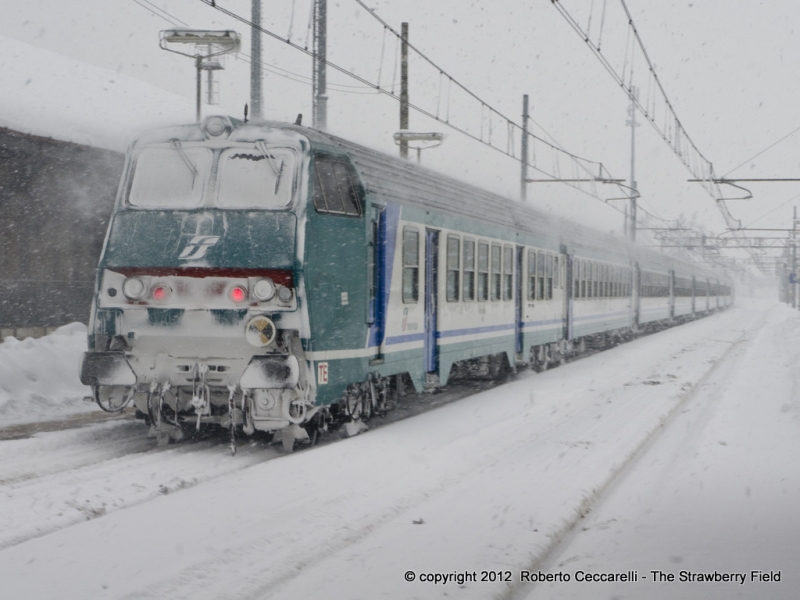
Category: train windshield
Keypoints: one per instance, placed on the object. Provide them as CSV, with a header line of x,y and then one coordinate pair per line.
x,y
170,176
257,177
178,176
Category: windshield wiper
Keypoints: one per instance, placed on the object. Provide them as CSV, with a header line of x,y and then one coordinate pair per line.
x,y
177,146
277,171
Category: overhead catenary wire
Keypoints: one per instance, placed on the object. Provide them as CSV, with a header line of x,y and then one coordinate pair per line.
x,y
585,163
673,132
557,148
453,80
160,12
788,135
275,70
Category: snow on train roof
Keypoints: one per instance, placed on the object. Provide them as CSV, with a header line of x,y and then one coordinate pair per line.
x,y
407,183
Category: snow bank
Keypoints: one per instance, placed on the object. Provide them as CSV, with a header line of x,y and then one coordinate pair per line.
x,y
50,95
39,377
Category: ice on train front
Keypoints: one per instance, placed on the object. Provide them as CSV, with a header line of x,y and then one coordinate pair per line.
x,y
197,316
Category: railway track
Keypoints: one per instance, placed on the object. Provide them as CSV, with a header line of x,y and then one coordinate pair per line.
x,y
66,461
50,472
697,399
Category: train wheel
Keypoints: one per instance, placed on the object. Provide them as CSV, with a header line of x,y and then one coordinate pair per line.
x,y
113,398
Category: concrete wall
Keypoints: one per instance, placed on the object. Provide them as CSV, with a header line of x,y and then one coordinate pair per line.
x,y
55,202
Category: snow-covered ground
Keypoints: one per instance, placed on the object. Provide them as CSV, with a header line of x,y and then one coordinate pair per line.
x,y
673,452
39,377
718,492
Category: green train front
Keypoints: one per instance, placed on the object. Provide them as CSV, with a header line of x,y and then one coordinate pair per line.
x,y
201,313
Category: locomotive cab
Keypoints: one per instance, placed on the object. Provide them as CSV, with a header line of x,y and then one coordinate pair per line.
x,y
199,311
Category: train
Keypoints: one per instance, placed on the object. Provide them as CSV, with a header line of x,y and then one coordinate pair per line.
x,y
269,277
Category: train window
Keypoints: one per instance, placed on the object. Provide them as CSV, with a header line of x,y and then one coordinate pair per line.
x,y
410,265
497,271
258,177
469,270
576,280
614,282
336,189
539,276
598,280
610,281
453,267
556,273
588,277
531,275
483,271
508,273
610,275
170,176
582,264
603,281
549,277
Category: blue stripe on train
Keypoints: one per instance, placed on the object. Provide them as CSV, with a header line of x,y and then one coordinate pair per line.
x,y
387,238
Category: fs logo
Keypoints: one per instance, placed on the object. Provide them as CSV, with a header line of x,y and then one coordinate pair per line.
x,y
198,247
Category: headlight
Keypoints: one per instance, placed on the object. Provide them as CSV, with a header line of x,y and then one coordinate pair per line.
x,y
264,289
216,126
285,294
133,288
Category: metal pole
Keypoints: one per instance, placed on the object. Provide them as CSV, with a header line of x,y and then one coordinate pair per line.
x,y
198,62
794,259
320,112
523,184
210,81
255,61
626,222
634,194
404,87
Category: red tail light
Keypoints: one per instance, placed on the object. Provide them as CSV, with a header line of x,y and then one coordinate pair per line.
x,y
238,294
160,293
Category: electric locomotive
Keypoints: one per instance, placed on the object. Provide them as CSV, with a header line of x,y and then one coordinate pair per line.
x,y
269,277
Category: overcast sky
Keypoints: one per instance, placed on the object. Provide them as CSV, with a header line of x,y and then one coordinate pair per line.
x,y
729,69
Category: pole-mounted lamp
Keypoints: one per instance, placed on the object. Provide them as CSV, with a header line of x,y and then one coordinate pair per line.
x,y
206,43
434,137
